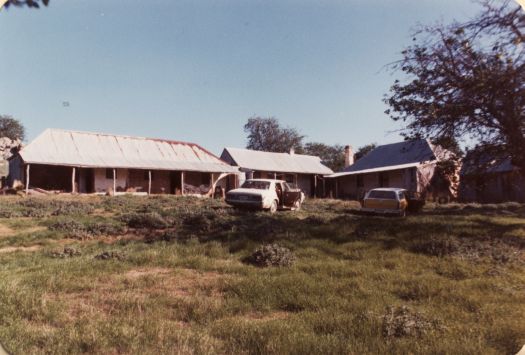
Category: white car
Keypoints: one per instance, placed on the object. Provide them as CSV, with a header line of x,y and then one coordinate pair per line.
x,y
266,194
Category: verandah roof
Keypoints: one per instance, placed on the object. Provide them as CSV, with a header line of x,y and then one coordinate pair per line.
x,y
99,150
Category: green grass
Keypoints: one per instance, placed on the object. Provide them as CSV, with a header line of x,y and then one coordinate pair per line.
x,y
183,288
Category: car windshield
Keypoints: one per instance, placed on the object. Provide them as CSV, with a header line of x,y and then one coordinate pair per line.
x,y
253,184
390,195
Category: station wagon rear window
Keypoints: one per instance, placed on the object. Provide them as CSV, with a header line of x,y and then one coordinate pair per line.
x,y
259,185
389,195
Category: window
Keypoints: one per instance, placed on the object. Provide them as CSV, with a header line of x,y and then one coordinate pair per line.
x,y
254,184
401,195
109,174
380,194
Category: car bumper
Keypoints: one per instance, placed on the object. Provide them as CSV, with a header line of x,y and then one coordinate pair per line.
x,y
380,211
247,204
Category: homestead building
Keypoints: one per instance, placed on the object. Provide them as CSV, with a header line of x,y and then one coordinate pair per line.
x,y
490,180
305,171
409,165
85,162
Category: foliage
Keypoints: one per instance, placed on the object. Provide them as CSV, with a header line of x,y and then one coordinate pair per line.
x,y
266,134
151,220
271,255
333,156
11,128
29,3
74,228
364,150
467,81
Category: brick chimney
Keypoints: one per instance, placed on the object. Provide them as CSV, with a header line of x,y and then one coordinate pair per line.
x,y
349,156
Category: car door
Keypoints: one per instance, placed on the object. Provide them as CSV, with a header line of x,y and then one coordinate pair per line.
x,y
290,196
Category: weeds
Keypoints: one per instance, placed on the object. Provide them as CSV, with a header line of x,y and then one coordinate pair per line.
x,y
271,255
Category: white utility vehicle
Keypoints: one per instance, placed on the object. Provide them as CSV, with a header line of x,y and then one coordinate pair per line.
x,y
266,194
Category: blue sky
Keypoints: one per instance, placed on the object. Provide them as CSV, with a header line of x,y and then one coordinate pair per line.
x,y
197,70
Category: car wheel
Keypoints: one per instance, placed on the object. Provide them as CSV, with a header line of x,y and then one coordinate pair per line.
x,y
273,207
296,205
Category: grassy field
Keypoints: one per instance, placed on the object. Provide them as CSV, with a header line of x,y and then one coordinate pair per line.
x,y
167,275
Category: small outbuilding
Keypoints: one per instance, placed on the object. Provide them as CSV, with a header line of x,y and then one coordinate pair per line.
x,y
409,165
86,162
305,171
490,180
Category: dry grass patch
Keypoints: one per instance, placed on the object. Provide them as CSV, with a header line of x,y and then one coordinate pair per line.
x,y
31,248
138,288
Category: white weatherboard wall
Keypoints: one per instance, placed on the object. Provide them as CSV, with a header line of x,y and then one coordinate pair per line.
x,y
102,184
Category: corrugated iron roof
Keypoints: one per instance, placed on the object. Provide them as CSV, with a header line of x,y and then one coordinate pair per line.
x,y
88,149
277,162
395,156
475,163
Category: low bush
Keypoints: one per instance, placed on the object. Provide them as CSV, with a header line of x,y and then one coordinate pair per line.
x,y
271,255
67,253
402,322
75,229
107,255
150,220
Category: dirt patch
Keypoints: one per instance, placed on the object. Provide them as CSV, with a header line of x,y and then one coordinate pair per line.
x,y
6,231
13,249
142,272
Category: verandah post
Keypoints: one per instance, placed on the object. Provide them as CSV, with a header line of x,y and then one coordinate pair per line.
x,y
182,183
114,182
27,178
149,182
73,175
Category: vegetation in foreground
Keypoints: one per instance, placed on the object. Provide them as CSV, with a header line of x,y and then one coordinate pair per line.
x,y
172,275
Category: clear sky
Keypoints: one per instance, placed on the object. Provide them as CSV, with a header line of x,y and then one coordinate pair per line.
x,y
197,70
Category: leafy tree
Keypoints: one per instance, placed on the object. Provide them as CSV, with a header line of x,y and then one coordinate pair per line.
x,y
29,3
466,82
364,150
265,133
11,128
333,156
26,3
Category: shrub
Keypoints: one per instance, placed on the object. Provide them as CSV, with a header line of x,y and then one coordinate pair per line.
x,y
69,226
74,229
199,221
151,220
401,322
67,253
271,255
111,255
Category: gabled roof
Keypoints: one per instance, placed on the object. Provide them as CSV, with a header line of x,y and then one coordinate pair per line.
x,y
395,156
275,162
87,149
